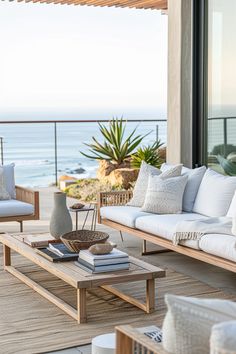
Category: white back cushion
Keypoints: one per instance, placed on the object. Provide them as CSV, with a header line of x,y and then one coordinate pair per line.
x,y
188,323
232,209
9,179
4,195
215,194
223,339
194,180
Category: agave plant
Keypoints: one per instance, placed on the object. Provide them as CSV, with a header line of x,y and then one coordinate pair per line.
x,y
149,154
228,166
115,147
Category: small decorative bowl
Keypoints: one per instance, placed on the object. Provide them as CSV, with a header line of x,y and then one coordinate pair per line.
x,y
83,239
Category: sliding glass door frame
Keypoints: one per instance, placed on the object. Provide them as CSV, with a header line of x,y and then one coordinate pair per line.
x,y
199,82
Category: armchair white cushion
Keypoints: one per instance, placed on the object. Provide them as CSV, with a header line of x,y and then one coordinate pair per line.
x,y
189,321
15,207
9,179
223,338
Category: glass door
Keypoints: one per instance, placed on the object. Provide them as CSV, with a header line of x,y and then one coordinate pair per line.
x,y
221,110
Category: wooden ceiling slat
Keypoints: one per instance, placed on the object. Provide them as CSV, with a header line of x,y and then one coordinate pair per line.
x,y
139,4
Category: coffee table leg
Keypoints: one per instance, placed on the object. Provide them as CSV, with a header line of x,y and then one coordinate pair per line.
x,y
6,256
81,305
150,295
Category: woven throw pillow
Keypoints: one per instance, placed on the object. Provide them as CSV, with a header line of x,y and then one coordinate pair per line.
x,y
4,195
188,323
141,184
223,338
164,196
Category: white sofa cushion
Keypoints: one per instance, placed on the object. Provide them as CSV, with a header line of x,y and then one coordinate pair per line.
x,y
215,194
188,323
9,178
14,207
232,208
223,338
165,225
164,196
194,180
4,195
141,184
125,215
219,245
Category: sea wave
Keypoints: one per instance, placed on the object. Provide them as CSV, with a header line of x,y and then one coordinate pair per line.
x,y
32,162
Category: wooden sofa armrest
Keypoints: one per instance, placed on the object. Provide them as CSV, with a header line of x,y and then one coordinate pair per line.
x,y
112,199
28,196
127,338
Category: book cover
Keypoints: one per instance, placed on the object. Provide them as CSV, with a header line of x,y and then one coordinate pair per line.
x,y
101,269
93,259
61,250
53,257
38,240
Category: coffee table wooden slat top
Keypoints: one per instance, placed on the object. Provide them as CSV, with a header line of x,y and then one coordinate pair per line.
x,y
79,278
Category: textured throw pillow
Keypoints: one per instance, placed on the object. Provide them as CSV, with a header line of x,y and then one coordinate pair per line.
x,y
164,196
215,194
9,179
232,209
141,185
4,195
195,177
188,323
223,338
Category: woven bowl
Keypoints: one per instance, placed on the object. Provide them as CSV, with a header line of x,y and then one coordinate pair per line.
x,y
83,239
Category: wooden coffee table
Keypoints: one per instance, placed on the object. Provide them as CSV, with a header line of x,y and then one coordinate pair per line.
x,y
80,279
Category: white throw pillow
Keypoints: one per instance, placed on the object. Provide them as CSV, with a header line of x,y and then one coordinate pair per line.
x,y
194,180
9,179
223,338
188,323
141,184
232,209
215,194
164,196
4,195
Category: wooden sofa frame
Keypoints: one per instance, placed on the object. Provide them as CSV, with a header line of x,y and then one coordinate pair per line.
x,y
28,196
121,198
128,338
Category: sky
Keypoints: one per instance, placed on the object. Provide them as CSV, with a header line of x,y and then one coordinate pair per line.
x,y
78,61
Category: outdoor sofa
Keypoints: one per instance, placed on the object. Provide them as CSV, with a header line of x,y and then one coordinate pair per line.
x,y
24,202
213,195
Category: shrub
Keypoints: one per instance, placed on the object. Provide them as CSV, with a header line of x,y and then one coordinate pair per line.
x,y
149,154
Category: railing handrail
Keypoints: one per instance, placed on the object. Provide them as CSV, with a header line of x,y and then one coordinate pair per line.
x,y
77,121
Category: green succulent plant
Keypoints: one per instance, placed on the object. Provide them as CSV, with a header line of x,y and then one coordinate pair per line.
x,y
115,147
149,154
228,166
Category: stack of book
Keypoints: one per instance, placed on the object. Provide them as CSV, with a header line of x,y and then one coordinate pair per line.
x,y
116,260
57,253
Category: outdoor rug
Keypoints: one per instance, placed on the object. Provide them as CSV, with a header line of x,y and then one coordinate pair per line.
x,y
30,324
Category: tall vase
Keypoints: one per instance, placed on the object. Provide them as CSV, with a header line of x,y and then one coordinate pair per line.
x,y
61,221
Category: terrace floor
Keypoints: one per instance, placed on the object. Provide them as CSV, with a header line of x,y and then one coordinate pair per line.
x,y
213,276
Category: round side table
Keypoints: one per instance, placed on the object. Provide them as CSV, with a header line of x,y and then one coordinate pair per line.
x,y
92,207
104,344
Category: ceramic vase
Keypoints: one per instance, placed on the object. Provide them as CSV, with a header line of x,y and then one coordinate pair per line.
x,y
61,221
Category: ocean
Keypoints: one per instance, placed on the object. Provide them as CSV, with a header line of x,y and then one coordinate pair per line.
x,y
31,148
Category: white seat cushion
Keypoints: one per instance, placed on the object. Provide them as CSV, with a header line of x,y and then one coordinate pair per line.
x,y
215,194
14,207
125,215
219,245
165,225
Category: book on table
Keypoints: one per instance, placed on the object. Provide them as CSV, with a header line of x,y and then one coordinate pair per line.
x,y
57,253
114,257
38,240
101,268
113,261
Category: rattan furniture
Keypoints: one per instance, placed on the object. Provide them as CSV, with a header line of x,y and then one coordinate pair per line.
x,y
81,280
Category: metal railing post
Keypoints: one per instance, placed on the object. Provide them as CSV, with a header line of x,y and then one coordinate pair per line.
x,y
225,136
1,144
55,152
157,132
